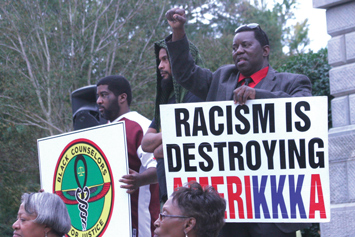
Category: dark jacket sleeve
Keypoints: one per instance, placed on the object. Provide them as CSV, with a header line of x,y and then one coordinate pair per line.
x,y
192,77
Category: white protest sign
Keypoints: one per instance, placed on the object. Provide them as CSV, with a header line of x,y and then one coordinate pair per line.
x,y
83,167
267,158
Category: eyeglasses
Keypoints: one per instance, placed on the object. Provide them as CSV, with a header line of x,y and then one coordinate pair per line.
x,y
162,216
250,26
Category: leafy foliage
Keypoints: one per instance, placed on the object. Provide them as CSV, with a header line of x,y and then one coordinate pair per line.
x,y
316,67
214,24
298,40
55,47
18,170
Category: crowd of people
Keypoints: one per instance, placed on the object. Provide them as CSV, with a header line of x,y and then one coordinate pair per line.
x,y
191,210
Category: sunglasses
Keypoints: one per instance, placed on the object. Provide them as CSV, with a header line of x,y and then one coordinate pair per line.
x,y
162,216
250,26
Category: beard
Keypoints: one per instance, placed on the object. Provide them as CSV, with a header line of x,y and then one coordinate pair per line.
x,y
111,113
167,84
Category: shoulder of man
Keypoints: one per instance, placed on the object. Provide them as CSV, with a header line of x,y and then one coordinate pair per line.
x,y
287,75
139,119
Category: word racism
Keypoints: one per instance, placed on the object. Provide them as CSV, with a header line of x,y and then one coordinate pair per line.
x,y
272,155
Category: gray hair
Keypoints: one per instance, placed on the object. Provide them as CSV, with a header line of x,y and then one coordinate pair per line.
x,y
50,210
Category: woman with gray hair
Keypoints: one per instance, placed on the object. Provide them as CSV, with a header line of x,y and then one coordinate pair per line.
x,y
41,215
191,211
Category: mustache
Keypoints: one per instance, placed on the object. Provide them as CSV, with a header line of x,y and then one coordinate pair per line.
x,y
163,71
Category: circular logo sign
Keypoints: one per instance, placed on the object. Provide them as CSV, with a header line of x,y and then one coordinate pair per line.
x,y
83,179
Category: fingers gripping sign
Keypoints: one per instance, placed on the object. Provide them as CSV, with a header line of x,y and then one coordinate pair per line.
x,y
242,94
131,181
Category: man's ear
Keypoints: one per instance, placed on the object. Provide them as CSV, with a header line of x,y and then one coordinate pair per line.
x,y
189,225
266,50
122,98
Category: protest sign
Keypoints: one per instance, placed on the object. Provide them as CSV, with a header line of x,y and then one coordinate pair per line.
x,y
83,168
267,158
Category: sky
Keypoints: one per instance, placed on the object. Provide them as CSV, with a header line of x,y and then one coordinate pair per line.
x,y
317,32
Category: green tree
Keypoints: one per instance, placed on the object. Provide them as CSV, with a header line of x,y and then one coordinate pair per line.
x,y
54,47
18,170
298,40
214,24
316,67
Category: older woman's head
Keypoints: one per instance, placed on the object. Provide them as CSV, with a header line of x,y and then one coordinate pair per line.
x,y
192,211
41,214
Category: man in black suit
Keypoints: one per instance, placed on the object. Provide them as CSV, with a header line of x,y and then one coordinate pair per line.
x,y
251,77
250,54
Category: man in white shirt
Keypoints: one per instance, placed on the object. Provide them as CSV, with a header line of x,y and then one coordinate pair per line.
x,y
114,97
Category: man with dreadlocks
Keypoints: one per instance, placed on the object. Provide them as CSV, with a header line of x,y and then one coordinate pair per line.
x,y
167,92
